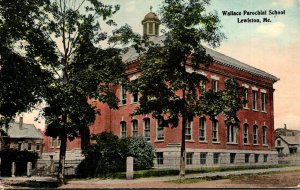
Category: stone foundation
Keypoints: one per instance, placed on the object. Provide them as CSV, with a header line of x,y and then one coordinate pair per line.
x,y
171,158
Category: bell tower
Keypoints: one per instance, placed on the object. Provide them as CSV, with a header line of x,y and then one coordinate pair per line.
x,y
151,24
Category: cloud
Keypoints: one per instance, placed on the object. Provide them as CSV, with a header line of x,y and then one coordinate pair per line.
x,y
271,30
130,6
283,3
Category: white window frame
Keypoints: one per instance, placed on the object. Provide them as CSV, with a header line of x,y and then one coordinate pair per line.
x,y
255,134
246,133
203,158
254,100
263,101
123,132
232,134
160,158
202,129
148,129
58,142
37,145
189,158
216,158
215,124
158,136
134,128
189,130
264,135
214,84
123,95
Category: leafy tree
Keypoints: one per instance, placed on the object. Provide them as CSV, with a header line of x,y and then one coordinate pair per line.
x,y
108,155
168,90
61,39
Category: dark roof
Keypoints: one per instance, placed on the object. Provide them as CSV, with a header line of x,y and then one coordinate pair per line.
x,y
26,131
220,58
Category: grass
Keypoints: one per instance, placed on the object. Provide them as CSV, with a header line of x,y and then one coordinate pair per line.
x,y
172,172
241,176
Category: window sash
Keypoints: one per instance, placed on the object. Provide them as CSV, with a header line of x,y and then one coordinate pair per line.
x,y
246,132
160,158
123,95
159,131
202,126
255,134
263,101
189,158
203,156
254,100
123,129
147,129
134,124
215,130
216,158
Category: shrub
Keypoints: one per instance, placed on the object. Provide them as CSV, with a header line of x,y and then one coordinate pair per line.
x,y
20,157
108,155
140,150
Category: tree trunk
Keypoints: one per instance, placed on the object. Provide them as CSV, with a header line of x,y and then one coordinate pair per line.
x,y
62,158
182,149
62,153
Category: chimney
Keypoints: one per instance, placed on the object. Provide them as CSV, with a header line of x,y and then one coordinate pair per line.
x,y
285,130
21,123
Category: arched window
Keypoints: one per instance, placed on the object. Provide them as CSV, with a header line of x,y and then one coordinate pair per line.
x,y
246,133
123,128
215,131
147,129
264,135
255,134
134,127
202,129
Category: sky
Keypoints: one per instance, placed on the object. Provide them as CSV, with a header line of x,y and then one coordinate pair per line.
x,y
269,46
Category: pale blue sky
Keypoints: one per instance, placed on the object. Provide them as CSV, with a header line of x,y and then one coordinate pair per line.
x,y
272,47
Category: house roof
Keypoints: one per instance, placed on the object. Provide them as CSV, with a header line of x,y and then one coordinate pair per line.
x,y
132,55
291,140
26,131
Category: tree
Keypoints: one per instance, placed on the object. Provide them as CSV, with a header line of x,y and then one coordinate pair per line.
x,y
62,39
168,90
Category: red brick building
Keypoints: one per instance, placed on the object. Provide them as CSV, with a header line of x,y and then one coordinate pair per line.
x,y
209,144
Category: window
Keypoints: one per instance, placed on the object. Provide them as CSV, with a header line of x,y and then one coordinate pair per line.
x,y
160,158
123,128
188,129
216,158
147,129
278,142
254,100
215,137
255,134
189,158
263,102
151,28
134,127
203,158
134,96
214,85
265,158
246,98
231,134
256,157
51,142
58,143
247,156
19,145
264,135
123,95
246,133
29,146
202,129
232,158
38,147
159,130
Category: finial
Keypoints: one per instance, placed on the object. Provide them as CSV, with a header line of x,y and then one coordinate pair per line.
x,y
151,8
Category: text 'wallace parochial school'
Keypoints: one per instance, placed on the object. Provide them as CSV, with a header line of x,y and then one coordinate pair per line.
x,y
259,16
